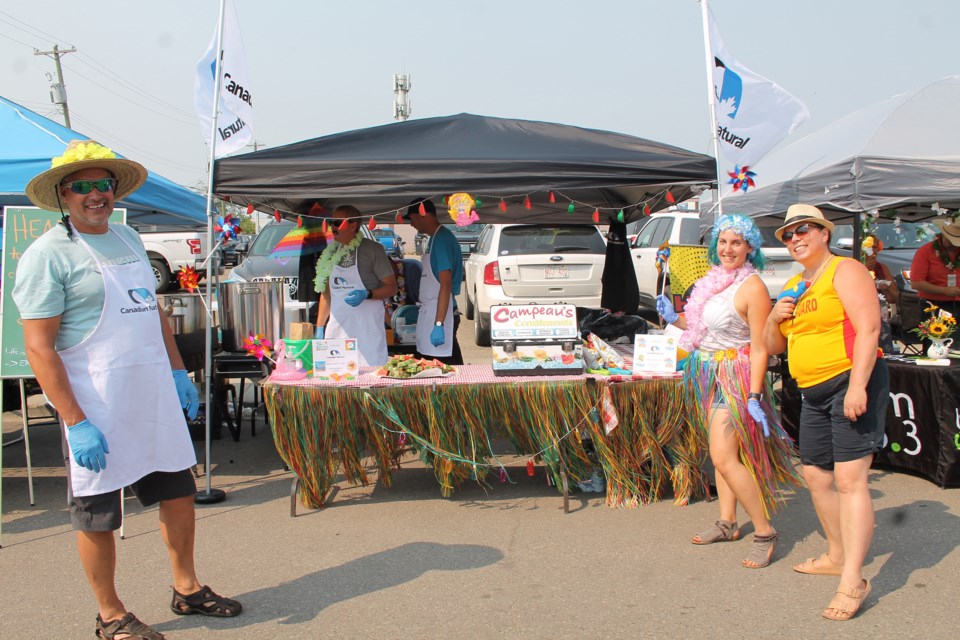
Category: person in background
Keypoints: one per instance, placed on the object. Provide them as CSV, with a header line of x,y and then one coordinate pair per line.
x,y
830,332
935,266
886,287
727,373
440,282
354,277
105,357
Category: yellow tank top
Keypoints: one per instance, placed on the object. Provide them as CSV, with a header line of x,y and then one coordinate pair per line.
x,y
820,335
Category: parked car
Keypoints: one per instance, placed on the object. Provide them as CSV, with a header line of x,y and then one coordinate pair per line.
x,y
168,251
532,264
900,243
234,251
467,237
390,241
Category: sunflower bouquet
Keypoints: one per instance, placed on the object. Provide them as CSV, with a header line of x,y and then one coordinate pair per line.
x,y
936,327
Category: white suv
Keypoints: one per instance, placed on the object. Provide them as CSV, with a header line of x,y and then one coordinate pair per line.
x,y
532,264
676,227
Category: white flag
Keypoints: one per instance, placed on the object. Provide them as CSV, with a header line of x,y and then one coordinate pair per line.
x,y
753,113
235,114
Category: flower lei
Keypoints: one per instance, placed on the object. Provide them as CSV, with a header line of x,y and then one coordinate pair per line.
x,y
949,264
83,151
332,256
716,280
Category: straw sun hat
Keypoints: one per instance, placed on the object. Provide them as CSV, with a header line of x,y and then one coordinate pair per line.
x,y
803,213
949,230
43,190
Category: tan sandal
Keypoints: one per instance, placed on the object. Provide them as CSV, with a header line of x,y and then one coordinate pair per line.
x,y
762,552
847,602
721,531
826,567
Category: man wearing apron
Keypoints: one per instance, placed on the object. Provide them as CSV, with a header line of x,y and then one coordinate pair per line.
x,y
106,358
440,282
354,277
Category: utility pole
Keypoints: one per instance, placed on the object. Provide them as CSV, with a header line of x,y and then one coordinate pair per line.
x,y
256,145
401,105
58,91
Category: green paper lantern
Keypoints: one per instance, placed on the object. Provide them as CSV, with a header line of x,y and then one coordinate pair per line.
x,y
479,202
620,216
570,208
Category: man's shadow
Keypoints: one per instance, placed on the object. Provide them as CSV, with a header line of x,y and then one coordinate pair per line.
x,y
302,599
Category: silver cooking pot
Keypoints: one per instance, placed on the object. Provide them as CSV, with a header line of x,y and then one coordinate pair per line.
x,y
247,308
185,311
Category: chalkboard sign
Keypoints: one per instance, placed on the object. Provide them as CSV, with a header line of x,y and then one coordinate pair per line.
x,y
21,226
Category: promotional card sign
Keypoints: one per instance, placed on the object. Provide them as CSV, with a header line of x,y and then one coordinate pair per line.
x,y
336,359
654,354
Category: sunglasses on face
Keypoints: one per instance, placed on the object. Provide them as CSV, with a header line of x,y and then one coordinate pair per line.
x,y
799,232
83,187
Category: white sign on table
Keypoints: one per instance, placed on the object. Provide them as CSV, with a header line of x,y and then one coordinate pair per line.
x,y
336,359
654,354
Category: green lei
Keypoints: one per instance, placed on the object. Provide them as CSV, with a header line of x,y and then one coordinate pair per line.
x,y
950,264
331,256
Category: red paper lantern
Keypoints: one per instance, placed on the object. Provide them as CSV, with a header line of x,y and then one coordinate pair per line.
x,y
503,205
372,224
399,218
596,216
670,198
344,225
299,222
646,209
526,202
324,229
249,209
552,198
423,209
276,215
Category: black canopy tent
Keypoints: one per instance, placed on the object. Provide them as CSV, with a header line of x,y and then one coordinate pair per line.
x,y
380,169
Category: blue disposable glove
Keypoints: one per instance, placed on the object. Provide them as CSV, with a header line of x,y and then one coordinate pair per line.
x,y
756,412
665,309
436,336
89,446
318,334
355,297
189,399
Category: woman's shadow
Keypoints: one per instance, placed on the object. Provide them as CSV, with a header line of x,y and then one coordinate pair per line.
x,y
302,599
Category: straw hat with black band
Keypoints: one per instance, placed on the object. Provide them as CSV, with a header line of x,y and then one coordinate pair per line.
x,y
799,213
949,230
44,189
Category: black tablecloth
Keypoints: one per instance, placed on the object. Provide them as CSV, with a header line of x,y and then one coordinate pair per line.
x,y
922,430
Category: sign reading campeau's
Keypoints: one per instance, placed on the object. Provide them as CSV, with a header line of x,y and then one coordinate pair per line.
x,y
535,340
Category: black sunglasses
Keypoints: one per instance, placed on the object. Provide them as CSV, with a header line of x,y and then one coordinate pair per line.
x,y
83,187
800,231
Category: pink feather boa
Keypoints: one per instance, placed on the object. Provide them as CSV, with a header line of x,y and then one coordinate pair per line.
x,y
716,280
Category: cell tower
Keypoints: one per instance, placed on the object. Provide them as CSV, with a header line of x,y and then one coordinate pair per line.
x,y
401,105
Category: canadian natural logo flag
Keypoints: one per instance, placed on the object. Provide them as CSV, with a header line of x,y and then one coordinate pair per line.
x,y
753,113
235,115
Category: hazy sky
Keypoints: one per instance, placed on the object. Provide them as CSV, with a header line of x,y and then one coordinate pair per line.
x,y
632,66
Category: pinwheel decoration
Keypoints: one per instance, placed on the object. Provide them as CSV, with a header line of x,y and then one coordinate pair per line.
x,y
228,227
188,278
741,178
257,346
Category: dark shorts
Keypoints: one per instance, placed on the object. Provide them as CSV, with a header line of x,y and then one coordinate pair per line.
x,y
103,512
827,435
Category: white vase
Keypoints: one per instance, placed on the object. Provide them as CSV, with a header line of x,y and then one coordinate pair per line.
x,y
939,348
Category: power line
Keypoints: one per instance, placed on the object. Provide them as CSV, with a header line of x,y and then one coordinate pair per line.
x,y
58,93
44,34
84,57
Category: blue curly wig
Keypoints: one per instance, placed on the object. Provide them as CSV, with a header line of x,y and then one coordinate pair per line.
x,y
746,229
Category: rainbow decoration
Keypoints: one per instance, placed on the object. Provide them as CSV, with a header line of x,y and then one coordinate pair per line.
x,y
305,240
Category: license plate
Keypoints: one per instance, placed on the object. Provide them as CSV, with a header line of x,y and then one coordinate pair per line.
x,y
555,272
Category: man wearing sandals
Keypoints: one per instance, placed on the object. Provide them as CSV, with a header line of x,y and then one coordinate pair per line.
x,y
105,357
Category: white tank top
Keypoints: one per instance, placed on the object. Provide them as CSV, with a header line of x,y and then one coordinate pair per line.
x,y
725,328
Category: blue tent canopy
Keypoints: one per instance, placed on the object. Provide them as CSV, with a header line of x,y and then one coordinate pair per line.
x,y
29,141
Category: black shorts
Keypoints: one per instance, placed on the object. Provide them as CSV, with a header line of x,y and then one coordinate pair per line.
x,y
103,512
827,435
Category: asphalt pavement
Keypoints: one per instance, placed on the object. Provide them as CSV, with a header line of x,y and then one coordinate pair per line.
x,y
502,561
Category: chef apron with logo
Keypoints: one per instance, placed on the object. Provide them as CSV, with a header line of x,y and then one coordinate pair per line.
x,y
429,294
363,322
121,377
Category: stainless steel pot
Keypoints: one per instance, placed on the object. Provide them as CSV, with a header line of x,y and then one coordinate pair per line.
x,y
186,311
250,308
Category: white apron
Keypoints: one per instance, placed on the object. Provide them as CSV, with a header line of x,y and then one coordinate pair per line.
x,y
121,377
363,322
429,294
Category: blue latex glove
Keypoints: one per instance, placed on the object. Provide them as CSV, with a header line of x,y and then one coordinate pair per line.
x,y
756,412
189,399
318,334
89,446
355,297
436,336
665,309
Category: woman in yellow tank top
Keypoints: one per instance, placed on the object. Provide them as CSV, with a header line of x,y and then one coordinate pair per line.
x,y
831,332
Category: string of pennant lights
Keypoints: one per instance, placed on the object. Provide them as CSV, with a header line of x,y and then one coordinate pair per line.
x,y
474,213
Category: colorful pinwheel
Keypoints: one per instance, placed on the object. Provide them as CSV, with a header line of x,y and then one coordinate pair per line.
x,y
228,227
257,345
741,178
188,278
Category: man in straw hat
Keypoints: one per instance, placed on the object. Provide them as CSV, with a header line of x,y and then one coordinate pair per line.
x,y
936,265
106,358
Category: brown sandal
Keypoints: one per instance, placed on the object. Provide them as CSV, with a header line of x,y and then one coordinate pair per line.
x,y
847,602
128,626
205,602
762,552
826,567
721,531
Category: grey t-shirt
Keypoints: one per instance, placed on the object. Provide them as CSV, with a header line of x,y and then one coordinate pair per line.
x,y
374,263
56,276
